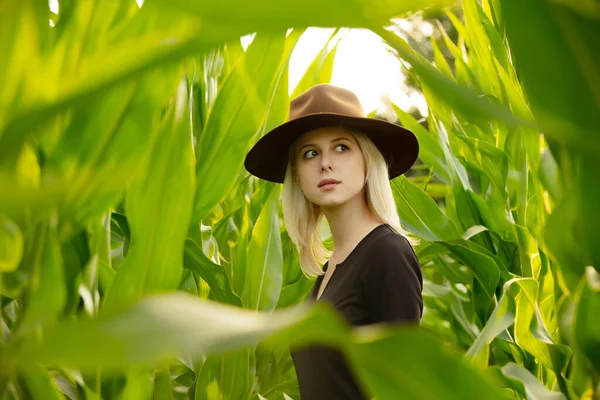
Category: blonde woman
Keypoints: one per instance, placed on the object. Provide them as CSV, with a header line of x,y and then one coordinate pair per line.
x,y
336,164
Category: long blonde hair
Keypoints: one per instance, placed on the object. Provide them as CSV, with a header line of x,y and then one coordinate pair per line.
x,y
303,218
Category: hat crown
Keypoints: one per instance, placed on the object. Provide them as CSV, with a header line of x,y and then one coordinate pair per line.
x,y
326,98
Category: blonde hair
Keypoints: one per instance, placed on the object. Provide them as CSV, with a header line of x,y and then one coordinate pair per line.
x,y
303,218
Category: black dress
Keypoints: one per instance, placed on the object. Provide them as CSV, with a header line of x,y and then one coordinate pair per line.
x,y
379,281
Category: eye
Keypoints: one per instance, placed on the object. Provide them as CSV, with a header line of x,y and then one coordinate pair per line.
x,y
306,155
343,146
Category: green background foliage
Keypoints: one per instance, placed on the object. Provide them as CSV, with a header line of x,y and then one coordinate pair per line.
x,y
138,258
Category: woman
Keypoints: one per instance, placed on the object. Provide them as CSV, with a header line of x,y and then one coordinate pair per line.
x,y
336,163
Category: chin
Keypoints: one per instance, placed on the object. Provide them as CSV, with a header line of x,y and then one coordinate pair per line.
x,y
328,201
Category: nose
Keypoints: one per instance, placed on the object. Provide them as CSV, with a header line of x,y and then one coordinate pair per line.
x,y
326,164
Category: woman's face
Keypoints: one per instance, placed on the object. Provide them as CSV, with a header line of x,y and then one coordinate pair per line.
x,y
330,153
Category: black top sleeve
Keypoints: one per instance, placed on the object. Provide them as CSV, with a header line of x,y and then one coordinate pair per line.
x,y
392,282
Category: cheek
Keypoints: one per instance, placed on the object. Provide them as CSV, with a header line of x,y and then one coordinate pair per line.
x,y
356,166
303,177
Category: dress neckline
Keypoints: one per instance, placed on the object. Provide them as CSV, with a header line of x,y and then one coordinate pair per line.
x,y
363,240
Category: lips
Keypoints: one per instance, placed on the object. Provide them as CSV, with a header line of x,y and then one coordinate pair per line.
x,y
328,182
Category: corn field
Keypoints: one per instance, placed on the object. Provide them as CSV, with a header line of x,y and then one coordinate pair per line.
x,y
140,260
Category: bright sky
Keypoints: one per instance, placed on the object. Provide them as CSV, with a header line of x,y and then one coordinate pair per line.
x,y
363,65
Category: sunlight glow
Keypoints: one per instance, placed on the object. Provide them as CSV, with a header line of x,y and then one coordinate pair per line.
x,y
364,65
426,28
53,4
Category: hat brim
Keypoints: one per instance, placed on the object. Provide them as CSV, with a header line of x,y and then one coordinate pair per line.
x,y
269,156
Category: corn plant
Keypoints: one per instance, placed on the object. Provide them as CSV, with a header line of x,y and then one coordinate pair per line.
x,y
511,265
138,258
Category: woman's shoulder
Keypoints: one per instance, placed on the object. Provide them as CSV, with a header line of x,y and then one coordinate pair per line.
x,y
390,252
389,242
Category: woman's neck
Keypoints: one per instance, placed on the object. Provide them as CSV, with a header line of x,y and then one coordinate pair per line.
x,y
349,223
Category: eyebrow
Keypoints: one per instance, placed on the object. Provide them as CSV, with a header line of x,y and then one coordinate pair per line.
x,y
333,140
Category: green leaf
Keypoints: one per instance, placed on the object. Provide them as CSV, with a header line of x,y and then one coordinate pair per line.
x,y
429,149
589,198
17,199
99,259
278,101
439,59
420,213
548,33
480,44
264,261
493,213
460,98
107,140
214,275
549,175
295,292
139,385
464,75
163,388
525,383
565,241
530,331
11,244
271,15
485,266
241,251
486,158
529,254
518,174
39,384
587,328
502,317
47,292
162,326
154,329
416,366
225,377
159,207
292,272
241,109
98,73
168,37
247,218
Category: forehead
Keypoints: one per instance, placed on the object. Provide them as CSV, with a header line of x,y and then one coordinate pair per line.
x,y
325,134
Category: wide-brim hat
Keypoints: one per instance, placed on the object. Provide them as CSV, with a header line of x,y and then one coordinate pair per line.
x,y
328,105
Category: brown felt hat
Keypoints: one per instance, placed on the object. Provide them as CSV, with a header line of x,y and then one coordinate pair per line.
x,y
327,105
